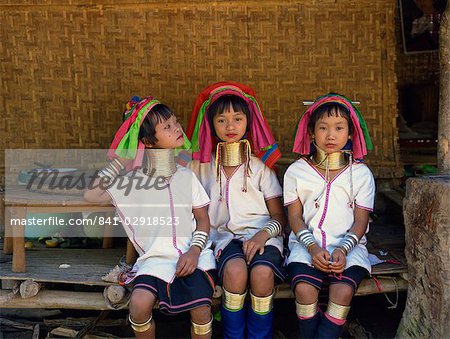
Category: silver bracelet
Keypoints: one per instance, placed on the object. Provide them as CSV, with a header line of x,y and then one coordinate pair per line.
x,y
111,170
349,242
272,228
306,238
199,239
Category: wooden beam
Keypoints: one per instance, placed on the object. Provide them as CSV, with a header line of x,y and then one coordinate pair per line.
x,y
58,299
367,287
95,300
10,323
82,322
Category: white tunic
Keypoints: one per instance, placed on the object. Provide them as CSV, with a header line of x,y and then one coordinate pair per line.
x,y
160,222
238,215
334,216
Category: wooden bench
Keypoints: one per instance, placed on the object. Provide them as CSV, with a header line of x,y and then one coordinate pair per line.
x,y
18,202
87,266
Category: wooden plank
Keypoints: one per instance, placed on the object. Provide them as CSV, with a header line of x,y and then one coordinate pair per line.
x,y
367,287
87,266
81,322
388,284
20,196
388,269
58,299
95,300
10,323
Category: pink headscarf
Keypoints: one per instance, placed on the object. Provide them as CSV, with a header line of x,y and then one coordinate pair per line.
x,y
302,140
126,143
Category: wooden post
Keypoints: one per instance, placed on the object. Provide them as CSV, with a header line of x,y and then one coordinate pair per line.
x,y
8,240
18,231
427,221
427,243
443,155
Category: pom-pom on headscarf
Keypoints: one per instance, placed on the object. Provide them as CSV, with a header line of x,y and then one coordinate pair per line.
x,y
199,131
126,143
360,138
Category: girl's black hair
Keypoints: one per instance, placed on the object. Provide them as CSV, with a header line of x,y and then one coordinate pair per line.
x,y
330,109
157,114
223,104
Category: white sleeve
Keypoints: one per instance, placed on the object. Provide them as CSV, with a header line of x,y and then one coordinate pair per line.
x,y
290,194
116,194
365,196
269,184
199,196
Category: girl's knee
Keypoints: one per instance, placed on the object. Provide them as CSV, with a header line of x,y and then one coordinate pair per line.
x,y
261,280
235,275
306,293
341,294
141,305
236,268
201,315
262,272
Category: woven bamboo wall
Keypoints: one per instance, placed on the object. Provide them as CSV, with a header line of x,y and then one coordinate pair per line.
x,y
67,66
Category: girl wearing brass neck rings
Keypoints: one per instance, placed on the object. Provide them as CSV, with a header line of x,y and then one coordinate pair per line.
x,y
233,151
168,224
329,196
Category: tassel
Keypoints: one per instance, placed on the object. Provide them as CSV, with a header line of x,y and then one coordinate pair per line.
x,y
327,174
219,171
351,203
247,169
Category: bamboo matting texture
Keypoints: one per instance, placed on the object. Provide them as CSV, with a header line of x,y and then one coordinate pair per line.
x,y
68,67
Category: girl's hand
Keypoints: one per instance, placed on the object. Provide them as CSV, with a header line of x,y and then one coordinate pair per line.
x,y
320,258
255,244
187,263
339,261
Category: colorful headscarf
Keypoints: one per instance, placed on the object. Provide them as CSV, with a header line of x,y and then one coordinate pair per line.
x,y
126,143
360,138
199,130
